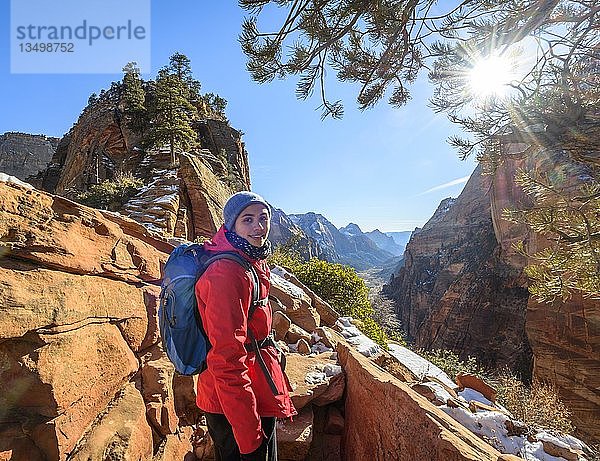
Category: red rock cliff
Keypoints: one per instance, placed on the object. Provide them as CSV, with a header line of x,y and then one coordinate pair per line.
x,y
456,292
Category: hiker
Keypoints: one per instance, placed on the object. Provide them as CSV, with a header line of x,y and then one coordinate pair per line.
x,y
241,396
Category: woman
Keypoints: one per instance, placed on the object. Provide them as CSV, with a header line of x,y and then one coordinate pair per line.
x,y
240,396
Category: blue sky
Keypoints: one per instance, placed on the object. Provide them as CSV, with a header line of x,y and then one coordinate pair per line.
x,y
383,168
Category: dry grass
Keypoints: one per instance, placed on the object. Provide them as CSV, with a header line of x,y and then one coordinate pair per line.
x,y
538,405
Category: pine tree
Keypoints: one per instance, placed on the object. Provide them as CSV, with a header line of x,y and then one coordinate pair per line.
x,y
569,218
180,65
172,114
382,45
216,103
134,97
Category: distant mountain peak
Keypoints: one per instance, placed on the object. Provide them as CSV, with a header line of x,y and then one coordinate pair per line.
x,y
351,229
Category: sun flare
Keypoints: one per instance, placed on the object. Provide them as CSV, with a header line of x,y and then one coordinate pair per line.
x,y
490,77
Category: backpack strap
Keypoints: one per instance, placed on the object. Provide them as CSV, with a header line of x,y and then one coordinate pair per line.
x,y
256,302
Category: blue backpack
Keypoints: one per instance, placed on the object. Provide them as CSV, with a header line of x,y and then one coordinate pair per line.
x,y
183,337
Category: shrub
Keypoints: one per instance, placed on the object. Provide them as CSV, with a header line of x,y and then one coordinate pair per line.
x,y
451,364
111,194
337,284
538,405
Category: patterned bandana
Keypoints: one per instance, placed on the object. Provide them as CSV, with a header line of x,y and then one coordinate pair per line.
x,y
241,243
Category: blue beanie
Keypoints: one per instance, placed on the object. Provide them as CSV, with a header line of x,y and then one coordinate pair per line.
x,y
237,203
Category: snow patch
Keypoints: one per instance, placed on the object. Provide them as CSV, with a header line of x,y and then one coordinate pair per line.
x,y
419,366
362,344
11,179
289,287
315,377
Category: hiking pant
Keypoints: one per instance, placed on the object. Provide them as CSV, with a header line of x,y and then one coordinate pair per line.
x,y
226,448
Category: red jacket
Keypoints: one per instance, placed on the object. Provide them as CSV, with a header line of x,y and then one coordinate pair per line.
x,y
233,383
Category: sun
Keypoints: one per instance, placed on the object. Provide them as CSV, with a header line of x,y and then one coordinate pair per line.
x,y
490,77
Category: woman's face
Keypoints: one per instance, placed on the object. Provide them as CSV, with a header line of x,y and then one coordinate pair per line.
x,y
253,224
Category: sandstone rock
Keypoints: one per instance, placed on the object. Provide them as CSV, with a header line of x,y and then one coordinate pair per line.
x,y
120,433
303,347
159,203
62,381
564,336
473,382
294,437
226,145
507,457
276,305
328,316
326,336
515,427
393,366
100,145
371,433
281,325
332,447
295,334
297,304
305,391
475,406
424,390
207,195
36,298
456,291
333,393
177,447
334,424
202,443
16,445
24,155
157,390
50,230
184,393
561,452
151,295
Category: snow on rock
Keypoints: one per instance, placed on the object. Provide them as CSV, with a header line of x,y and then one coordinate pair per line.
x,y
315,377
544,436
490,426
487,424
535,452
332,370
419,366
152,228
318,348
441,394
471,394
8,178
362,344
345,326
289,287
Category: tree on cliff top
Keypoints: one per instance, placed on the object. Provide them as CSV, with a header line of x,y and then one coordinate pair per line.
x,y
546,51
134,98
172,114
180,65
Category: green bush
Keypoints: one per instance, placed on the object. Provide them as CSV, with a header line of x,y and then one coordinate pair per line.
x,y
337,284
111,194
451,364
